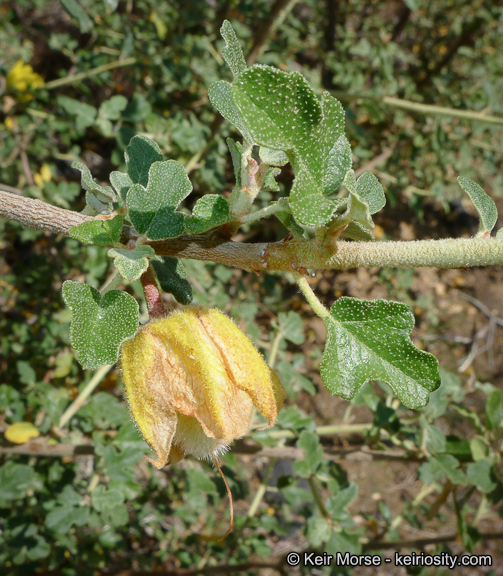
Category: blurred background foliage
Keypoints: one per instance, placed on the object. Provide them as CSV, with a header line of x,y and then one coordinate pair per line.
x,y
78,80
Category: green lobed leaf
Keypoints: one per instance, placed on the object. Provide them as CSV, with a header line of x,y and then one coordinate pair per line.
x,y
74,9
152,209
269,182
90,184
131,263
85,114
370,189
290,325
112,108
494,409
232,52
283,113
369,340
172,278
99,325
488,213
440,467
15,480
313,454
339,161
99,232
210,211
141,153
481,475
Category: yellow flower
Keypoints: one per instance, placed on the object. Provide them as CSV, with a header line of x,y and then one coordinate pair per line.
x,y
43,176
22,78
191,381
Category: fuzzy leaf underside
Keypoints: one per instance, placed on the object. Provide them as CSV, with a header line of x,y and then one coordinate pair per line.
x,y
172,278
99,232
370,340
131,264
153,209
99,325
484,204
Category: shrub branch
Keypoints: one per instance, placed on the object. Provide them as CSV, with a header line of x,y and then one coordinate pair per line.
x,y
290,256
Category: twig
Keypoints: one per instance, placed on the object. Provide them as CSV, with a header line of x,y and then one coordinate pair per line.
x,y
428,109
83,396
267,27
89,74
423,542
287,256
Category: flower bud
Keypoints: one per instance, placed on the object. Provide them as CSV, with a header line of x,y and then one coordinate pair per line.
x,y
191,381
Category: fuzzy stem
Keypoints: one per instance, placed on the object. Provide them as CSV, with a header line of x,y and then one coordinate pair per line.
x,y
155,305
311,297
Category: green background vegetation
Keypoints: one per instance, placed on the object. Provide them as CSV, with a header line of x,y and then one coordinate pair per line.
x,y
332,475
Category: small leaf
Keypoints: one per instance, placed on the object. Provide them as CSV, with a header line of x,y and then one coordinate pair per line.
x,y
210,211
85,114
141,153
74,9
488,213
173,278
121,182
112,108
369,340
481,475
21,432
103,498
15,480
232,52
339,161
269,182
494,409
131,263
313,454
99,325
291,326
440,467
272,157
370,189
152,209
99,232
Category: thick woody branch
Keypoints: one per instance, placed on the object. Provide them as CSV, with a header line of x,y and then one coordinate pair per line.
x,y
294,255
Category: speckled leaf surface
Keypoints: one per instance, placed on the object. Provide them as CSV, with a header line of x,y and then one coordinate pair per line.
x,y
220,95
99,325
153,209
140,154
488,213
232,52
121,183
235,150
370,340
99,232
370,189
131,264
283,113
210,211
339,161
172,278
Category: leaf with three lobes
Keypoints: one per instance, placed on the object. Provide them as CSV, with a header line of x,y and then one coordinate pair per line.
x,y
488,213
172,278
370,340
282,112
99,232
153,209
99,325
210,211
131,263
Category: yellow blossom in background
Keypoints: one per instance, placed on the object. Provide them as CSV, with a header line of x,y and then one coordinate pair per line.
x,y
192,380
43,176
21,432
22,78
